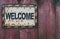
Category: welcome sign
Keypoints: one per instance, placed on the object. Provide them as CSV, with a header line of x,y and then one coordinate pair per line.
x,y
19,16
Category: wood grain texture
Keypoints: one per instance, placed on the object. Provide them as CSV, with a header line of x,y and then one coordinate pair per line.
x,y
46,22
58,21
10,33
28,33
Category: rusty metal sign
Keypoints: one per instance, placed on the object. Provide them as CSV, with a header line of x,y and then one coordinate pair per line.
x,y
19,16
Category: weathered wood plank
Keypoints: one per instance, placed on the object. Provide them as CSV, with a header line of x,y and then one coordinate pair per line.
x,y
46,20
30,33
10,33
58,21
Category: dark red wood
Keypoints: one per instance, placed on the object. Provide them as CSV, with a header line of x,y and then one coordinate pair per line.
x,y
10,33
28,33
46,22
58,21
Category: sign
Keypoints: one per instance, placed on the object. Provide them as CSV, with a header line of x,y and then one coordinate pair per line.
x,y
19,16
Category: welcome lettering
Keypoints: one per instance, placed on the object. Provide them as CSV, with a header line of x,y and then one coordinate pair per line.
x,y
20,16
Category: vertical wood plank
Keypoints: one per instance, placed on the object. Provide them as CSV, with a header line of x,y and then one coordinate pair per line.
x,y
28,33
42,20
46,20
12,33
58,20
7,33
51,26
1,30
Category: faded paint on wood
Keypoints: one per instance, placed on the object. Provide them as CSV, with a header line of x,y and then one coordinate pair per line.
x,y
29,33
8,34
46,22
58,21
